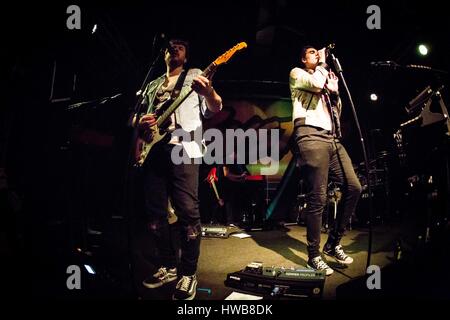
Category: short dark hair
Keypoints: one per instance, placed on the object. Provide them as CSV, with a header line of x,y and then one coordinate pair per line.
x,y
304,50
184,43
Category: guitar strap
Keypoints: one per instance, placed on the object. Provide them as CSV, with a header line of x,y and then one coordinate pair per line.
x,y
177,89
175,92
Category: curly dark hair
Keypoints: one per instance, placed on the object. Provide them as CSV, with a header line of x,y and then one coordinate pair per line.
x,y
184,43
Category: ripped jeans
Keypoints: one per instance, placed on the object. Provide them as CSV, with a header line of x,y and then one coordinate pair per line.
x,y
163,179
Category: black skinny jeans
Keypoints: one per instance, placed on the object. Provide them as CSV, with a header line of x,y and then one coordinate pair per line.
x,y
323,158
162,179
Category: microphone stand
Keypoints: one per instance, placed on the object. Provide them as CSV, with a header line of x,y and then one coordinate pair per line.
x,y
128,191
94,102
149,75
338,68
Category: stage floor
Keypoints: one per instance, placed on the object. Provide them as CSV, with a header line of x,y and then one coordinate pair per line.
x,y
416,275
285,246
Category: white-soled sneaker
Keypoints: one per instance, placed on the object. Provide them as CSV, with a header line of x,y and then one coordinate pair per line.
x,y
161,277
338,254
186,288
317,263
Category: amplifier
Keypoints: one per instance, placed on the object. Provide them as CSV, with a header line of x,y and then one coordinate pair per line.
x,y
278,281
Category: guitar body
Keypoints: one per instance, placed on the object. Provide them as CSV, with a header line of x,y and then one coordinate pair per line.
x,y
143,147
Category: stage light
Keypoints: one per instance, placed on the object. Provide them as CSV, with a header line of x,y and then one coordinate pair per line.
x,y
373,97
94,28
423,49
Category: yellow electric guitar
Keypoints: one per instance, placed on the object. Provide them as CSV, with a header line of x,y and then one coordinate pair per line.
x,y
157,131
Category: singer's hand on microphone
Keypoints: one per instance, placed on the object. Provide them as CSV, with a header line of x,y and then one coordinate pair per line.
x,y
322,55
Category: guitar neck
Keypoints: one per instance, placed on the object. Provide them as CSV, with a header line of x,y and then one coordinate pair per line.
x,y
215,190
183,95
175,104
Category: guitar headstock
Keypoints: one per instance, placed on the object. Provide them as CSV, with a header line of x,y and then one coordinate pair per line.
x,y
212,176
227,55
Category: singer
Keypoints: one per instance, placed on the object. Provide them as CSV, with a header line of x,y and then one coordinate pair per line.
x,y
316,112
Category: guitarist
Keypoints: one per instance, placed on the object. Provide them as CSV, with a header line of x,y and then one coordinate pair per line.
x,y
162,178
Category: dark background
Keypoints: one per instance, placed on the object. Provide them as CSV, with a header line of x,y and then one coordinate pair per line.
x,y
116,57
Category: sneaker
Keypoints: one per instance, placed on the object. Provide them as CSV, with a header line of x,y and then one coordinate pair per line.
x,y
161,277
186,288
317,263
338,254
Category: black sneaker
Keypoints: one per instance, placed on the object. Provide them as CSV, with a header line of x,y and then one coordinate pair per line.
x,y
338,254
186,288
161,277
317,263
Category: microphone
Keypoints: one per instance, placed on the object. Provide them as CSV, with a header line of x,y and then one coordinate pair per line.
x,y
328,49
162,40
